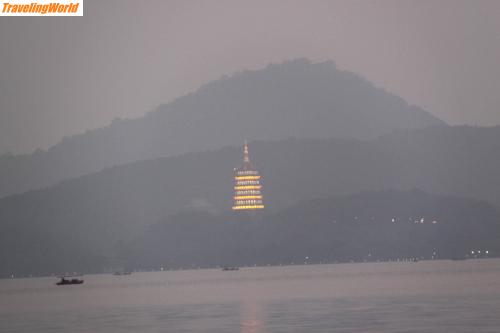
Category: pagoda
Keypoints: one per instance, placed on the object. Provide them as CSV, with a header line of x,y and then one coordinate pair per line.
x,y
247,186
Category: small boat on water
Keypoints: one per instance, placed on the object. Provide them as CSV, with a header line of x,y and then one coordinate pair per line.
x,y
122,273
230,268
65,281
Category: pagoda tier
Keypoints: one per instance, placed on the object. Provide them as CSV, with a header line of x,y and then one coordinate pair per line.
x,y
247,186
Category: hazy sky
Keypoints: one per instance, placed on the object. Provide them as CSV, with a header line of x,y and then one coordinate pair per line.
x,y
61,76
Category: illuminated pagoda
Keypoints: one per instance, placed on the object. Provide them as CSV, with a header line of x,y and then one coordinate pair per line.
x,y
247,186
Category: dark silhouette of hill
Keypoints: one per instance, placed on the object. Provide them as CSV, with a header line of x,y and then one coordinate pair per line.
x,y
383,225
460,160
88,219
388,225
293,99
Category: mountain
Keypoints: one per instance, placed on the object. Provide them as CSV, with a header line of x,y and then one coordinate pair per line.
x,y
98,213
381,225
371,226
293,99
459,160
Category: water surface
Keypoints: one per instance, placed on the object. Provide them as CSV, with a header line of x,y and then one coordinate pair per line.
x,y
430,296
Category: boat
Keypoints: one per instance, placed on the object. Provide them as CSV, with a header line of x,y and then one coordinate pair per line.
x,y
122,273
64,281
230,268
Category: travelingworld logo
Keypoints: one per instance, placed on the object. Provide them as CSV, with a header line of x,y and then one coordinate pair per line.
x,y
42,8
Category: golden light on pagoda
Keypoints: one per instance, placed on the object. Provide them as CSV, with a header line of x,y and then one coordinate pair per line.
x,y
247,186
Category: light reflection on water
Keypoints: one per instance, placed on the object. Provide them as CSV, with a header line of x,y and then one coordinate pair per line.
x,y
252,317
440,296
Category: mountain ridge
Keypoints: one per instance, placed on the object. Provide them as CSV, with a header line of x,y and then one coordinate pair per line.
x,y
293,99
100,211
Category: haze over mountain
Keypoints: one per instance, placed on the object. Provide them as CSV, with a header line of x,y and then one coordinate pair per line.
x,y
293,99
91,217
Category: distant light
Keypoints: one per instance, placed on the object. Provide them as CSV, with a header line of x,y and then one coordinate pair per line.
x,y
422,220
393,220
487,251
472,252
434,222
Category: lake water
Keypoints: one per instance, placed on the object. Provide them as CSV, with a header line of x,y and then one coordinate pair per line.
x,y
428,296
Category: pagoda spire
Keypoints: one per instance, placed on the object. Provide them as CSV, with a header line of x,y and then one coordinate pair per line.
x,y
246,157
